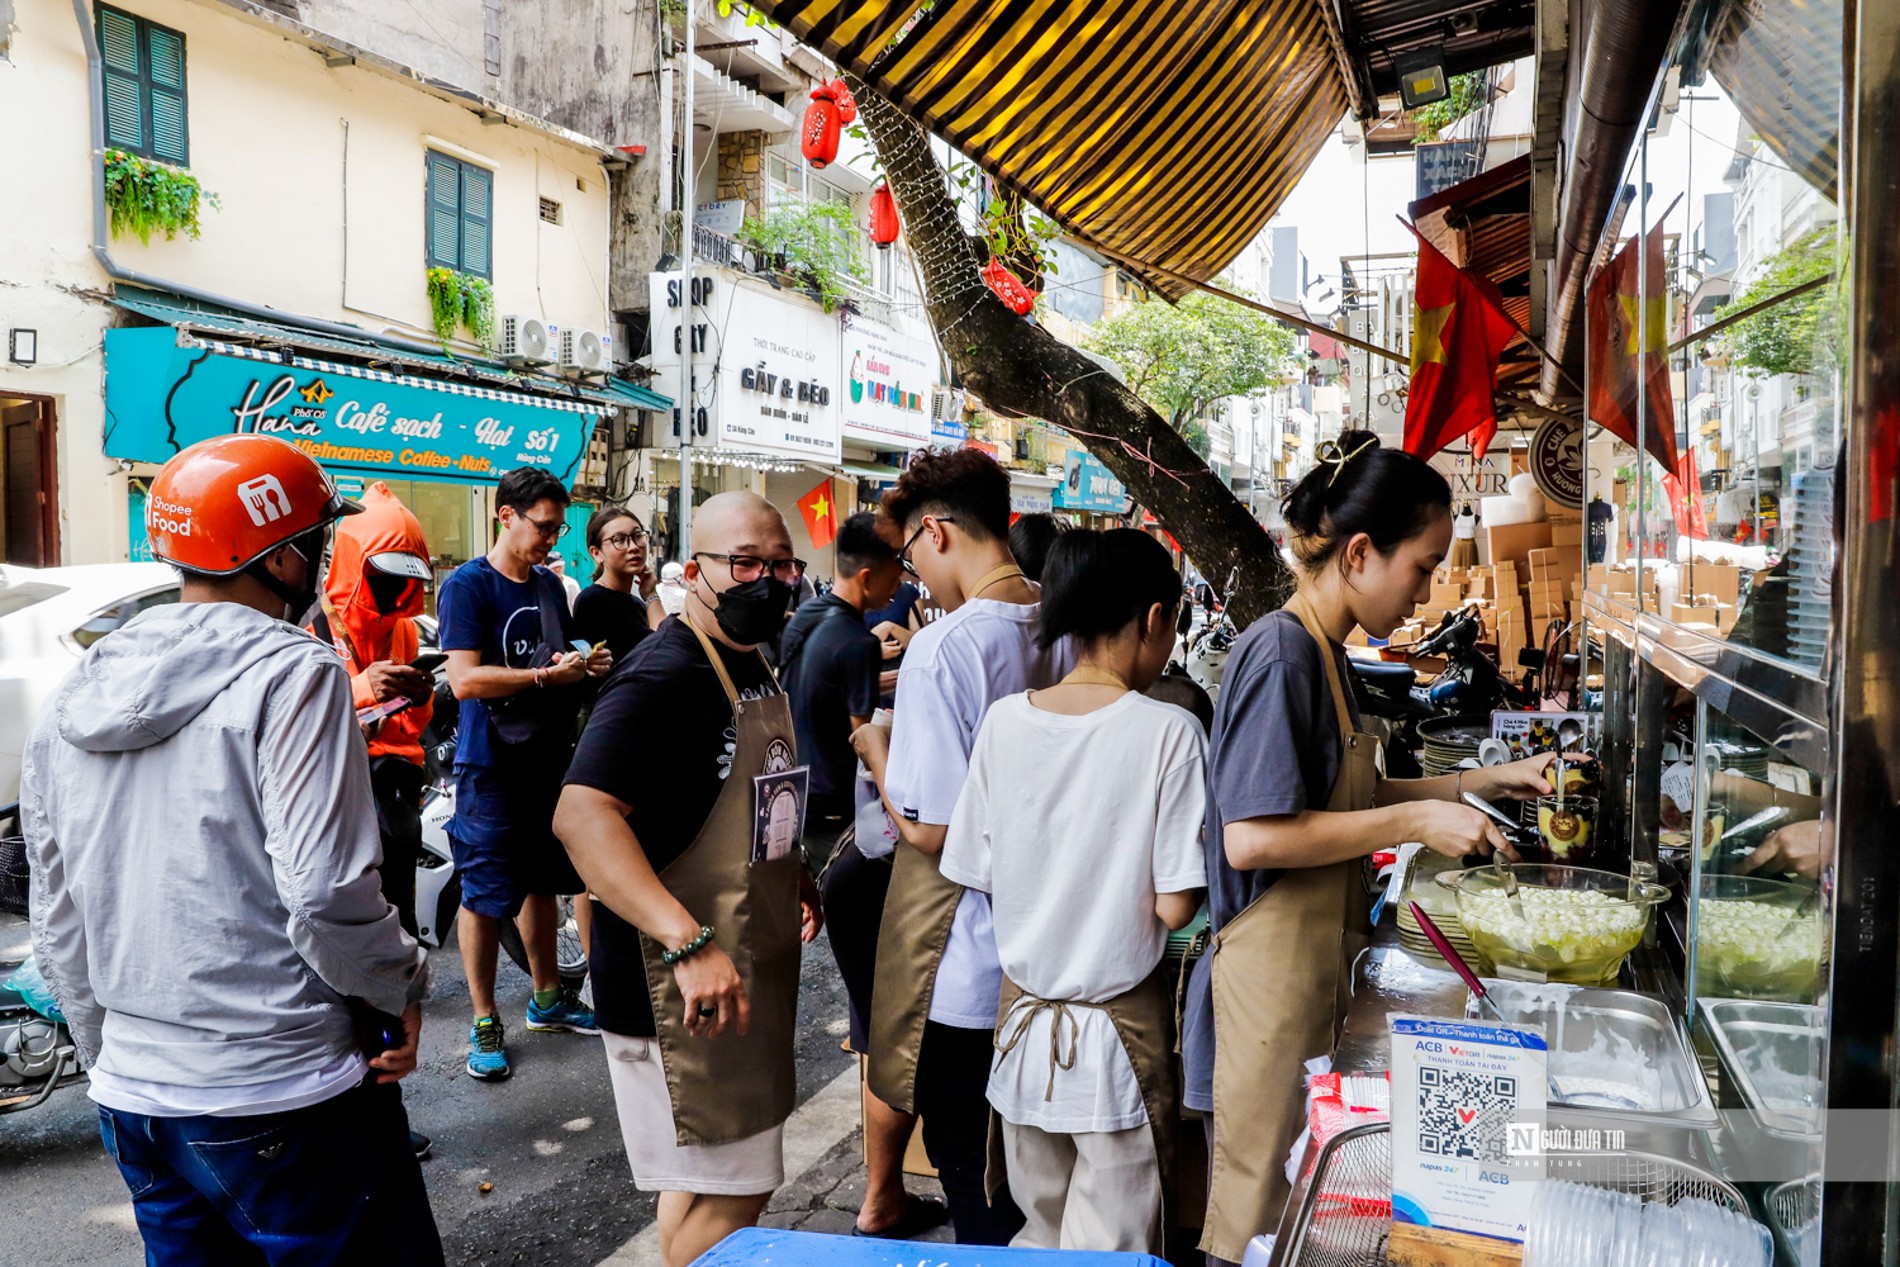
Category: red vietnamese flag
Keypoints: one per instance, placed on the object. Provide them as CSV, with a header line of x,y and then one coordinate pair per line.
x,y
1624,349
821,515
1684,487
1459,331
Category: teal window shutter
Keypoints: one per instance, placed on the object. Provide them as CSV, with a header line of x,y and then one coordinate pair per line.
x,y
165,62
144,73
460,210
478,187
444,211
124,80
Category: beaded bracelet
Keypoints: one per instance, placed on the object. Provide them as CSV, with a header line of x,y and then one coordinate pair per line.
x,y
690,948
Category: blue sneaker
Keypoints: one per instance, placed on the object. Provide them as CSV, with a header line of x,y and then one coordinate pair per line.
x,y
487,1058
565,1013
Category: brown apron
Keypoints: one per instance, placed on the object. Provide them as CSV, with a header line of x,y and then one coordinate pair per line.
x,y
730,1087
1282,979
1144,1020
919,909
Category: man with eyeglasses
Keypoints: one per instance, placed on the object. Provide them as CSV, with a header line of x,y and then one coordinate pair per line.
x,y
508,634
674,814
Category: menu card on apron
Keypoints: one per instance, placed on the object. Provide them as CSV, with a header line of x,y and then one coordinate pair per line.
x,y
1467,1124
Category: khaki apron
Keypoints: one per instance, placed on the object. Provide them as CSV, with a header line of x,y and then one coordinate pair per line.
x,y
1143,1019
731,1087
1282,979
919,909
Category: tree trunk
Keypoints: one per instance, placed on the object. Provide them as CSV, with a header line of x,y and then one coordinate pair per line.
x,y
1019,368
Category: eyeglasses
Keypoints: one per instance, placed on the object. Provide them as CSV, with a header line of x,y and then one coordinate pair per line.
x,y
625,540
748,567
553,530
903,556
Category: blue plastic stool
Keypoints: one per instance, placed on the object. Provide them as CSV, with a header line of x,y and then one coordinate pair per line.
x,y
759,1246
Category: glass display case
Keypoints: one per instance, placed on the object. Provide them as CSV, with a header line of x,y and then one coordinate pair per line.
x,y
1737,562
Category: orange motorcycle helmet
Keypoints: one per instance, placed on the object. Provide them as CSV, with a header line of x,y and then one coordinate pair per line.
x,y
224,503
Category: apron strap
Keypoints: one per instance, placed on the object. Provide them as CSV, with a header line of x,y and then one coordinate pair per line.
x,y
1300,607
719,663
1024,1010
994,575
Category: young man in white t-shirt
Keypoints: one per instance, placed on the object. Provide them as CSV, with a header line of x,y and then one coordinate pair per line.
x,y
952,511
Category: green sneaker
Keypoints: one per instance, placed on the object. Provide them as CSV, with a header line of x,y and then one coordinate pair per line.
x,y
487,1057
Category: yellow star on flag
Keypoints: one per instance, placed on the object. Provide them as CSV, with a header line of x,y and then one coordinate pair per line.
x,y
1428,340
822,507
1650,334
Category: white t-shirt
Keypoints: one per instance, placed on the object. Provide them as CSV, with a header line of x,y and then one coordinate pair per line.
x,y
1073,825
953,670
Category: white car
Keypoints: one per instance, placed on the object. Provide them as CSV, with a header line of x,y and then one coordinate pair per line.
x,y
48,617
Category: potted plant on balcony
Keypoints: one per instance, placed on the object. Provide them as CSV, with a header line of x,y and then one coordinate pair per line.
x,y
815,244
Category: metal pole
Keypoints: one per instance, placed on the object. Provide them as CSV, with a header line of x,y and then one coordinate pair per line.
x,y
689,399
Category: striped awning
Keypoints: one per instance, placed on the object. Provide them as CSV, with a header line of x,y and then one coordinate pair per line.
x,y
1161,132
1780,62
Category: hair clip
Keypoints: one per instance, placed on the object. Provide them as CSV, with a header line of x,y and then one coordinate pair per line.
x,y
1329,452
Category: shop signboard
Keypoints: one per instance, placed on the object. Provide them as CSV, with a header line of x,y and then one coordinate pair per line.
x,y
765,368
1442,164
1031,499
161,397
948,433
1088,485
889,382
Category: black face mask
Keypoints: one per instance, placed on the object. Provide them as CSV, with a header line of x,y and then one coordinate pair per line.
x,y
297,600
753,612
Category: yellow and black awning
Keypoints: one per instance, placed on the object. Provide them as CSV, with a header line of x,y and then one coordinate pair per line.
x,y
1162,132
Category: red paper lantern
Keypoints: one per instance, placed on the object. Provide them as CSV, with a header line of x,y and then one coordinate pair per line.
x,y
818,137
1017,297
847,104
883,216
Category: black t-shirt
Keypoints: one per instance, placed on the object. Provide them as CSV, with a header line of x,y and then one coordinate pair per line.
x,y
606,615
661,739
830,663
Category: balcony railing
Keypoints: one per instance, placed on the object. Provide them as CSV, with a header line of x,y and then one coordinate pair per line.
x,y
726,251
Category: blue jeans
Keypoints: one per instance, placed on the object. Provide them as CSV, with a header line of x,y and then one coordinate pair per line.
x,y
334,1182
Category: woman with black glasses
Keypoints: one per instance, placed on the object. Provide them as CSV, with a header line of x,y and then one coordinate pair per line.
x,y
620,607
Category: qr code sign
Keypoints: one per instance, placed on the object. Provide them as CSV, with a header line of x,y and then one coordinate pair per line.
x,y
1465,1115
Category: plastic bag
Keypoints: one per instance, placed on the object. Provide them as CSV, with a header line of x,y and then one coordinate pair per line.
x,y
27,982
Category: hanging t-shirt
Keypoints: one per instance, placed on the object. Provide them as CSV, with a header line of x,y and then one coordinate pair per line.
x,y
661,739
1104,810
954,669
1275,750
481,610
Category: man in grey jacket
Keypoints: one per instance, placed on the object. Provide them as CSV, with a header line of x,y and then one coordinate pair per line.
x,y
205,902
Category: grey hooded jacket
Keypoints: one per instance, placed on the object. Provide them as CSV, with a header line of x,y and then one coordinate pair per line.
x,y
203,847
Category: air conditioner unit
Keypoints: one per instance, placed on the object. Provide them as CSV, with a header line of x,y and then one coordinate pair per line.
x,y
528,340
586,351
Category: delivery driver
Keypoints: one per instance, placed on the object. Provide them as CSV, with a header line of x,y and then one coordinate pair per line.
x,y
379,568
696,937
205,901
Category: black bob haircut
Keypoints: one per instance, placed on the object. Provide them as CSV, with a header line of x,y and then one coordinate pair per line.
x,y
1029,540
1096,583
1388,494
522,487
861,546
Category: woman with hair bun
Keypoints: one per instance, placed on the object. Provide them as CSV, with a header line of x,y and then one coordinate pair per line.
x,y
1296,802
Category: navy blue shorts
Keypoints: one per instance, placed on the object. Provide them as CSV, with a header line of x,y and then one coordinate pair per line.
x,y
502,836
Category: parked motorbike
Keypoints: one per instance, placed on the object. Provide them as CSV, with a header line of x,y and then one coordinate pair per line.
x,y
37,1052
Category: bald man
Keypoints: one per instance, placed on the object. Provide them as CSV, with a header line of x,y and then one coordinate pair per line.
x,y
666,814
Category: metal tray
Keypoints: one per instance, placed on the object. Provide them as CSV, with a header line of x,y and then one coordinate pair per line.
x,y
1772,1052
1616,1056
1346,1212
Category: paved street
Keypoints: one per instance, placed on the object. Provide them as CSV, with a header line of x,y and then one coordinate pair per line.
x,y
546,1140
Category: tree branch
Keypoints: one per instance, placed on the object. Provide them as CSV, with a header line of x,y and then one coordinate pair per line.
x,y
1020,368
